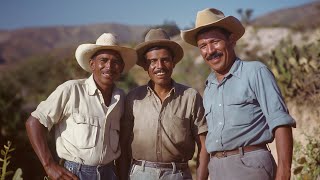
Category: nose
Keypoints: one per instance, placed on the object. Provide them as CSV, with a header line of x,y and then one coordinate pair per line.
x,y
159,64
108,64
210,49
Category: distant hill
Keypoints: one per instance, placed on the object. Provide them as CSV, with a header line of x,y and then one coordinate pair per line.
x,y
301,17
61,41
23,43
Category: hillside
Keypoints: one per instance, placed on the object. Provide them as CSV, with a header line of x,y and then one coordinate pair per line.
x,y
23,43
301,17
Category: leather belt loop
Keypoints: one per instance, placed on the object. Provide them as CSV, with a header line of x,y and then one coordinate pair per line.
x,y
268,148
174,167
143,165
241,151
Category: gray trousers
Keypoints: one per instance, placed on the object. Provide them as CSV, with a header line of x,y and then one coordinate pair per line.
x,y
252,165
147,173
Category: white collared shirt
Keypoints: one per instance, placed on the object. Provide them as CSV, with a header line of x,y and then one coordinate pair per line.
x,y
86,130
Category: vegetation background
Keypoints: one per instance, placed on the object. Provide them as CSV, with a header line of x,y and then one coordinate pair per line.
x,y
34,61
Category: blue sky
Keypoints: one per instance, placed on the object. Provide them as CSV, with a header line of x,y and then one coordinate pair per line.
x,y
28,13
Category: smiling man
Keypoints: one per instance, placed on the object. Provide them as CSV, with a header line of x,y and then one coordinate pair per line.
x,y
85,114
163,119
243,105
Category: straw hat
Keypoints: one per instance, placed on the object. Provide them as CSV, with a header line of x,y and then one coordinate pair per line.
x,y
211,17
107,41
156,38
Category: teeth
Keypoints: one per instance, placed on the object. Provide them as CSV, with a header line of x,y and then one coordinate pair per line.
x,y
160,73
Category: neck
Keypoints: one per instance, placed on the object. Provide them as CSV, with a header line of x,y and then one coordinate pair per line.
x,y
221,74
162,90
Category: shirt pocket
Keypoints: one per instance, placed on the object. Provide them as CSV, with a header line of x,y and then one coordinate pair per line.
x,y
84,131
239,110
114,133
179,129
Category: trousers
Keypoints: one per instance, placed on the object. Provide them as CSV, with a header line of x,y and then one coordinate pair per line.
x,y
142,172
85,172
252,165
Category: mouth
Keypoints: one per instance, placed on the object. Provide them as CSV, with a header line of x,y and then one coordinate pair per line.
x,y
160,73
214,56
107,74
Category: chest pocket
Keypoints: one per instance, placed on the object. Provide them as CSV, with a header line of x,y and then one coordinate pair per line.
x,y
83,131
239,110
178,129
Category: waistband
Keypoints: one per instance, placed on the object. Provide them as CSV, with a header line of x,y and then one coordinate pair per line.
x,y
88,167
240,150
171,165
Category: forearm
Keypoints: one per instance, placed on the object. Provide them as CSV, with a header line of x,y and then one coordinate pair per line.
x,y
37,136
284,144
203,159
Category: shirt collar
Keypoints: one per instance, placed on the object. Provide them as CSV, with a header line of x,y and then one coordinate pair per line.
x,y
235,70
172,91
92,87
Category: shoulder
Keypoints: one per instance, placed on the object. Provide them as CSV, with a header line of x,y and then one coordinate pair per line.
x,y
71,84
252,67
185,90
137,92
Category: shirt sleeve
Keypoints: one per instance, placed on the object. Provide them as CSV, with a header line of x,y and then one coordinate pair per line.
x,y
270,100
50,111
200,123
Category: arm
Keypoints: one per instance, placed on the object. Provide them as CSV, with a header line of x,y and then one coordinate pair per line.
x,y
284,144
37,136
202,158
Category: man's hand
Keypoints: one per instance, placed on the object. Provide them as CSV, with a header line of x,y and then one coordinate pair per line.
x,y
57,172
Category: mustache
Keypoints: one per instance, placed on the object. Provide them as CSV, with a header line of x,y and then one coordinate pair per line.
x,y
214,55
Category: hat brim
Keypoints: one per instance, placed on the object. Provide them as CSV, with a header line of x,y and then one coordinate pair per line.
x,y
229,23
84,53
143,47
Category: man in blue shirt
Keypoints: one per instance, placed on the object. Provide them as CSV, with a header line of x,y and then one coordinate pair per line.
x,y
243,105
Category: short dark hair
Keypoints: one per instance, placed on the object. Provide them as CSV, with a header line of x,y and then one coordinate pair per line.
x,y
224,31
159,47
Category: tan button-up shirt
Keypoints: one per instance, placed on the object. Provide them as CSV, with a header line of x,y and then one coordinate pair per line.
x,y
86,130
164,132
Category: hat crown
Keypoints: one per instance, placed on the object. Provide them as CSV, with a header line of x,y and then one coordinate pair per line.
x,y
156,34
208,16
107,39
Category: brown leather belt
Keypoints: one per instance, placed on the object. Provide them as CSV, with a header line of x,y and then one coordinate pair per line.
x,y
179,166
241,150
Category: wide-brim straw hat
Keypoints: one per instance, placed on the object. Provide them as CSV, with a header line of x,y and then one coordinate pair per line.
x,y
157,38
106,41
211,17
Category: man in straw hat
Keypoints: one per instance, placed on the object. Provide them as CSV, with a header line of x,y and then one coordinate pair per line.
x,y
243,105
85,114
163,119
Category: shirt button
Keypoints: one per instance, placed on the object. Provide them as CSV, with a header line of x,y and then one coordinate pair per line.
x,y
217,140
158,152
220,123
219,104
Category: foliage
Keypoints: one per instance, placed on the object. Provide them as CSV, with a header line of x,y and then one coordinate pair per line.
x,y
245,15
306,158
297,70
6,161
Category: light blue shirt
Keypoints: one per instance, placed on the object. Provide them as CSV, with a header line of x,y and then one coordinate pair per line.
x,y
244,108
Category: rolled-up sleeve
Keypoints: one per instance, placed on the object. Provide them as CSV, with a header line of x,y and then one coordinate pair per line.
x,y
270,99
50,111
200,123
